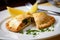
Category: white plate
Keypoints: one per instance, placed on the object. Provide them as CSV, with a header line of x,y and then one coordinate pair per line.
x,y
4,16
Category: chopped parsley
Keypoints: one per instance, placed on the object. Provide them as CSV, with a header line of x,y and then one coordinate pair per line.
x,y
29,31
21,32
48,30
52,30
35,32
42,30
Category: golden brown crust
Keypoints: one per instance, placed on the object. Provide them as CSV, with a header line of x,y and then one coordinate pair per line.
x,y
43,20
49,23
19,18
13,29
10,28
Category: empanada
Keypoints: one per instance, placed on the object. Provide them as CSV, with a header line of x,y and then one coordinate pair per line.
x,y
43,20
18,23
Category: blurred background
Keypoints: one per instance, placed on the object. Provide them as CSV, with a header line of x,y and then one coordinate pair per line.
x,y
15,3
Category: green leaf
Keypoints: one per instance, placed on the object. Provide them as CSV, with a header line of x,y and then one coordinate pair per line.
x,y
34,34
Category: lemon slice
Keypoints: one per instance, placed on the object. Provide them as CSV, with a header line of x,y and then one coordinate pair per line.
x,y
14,12
34,8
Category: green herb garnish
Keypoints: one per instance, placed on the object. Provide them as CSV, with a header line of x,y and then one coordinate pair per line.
x,y
34,33
29,31
53,26
21,32
42,30
52,30
48,30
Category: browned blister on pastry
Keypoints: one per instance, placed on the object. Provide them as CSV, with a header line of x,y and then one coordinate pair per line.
x,y
43,20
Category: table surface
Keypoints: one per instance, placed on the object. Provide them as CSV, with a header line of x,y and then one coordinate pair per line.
x,y
57,37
